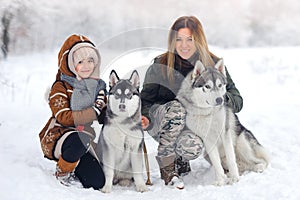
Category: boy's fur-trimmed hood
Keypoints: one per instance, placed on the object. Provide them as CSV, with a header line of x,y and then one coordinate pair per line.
x,y
71,44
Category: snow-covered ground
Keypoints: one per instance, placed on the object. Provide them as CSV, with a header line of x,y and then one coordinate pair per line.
x,y
268,79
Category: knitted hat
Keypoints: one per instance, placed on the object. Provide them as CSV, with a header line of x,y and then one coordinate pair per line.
x,y
83,51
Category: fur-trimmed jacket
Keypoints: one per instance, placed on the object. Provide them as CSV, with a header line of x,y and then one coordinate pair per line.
x,y
64,119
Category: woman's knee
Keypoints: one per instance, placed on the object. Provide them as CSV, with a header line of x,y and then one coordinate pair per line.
x,y
168,121
174,117
188,145
175,109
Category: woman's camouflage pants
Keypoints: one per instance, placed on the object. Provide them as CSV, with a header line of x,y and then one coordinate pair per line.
x,y
170,132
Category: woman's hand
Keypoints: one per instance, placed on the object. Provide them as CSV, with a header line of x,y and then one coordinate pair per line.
x,y
145,122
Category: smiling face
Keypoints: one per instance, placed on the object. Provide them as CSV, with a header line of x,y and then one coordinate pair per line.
x,y
85,67
185,45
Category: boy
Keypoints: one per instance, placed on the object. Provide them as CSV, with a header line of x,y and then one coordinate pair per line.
x,y
76,99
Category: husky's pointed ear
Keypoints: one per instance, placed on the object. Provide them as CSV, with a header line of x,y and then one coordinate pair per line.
x,y
113,78
135,79
220,66
198,69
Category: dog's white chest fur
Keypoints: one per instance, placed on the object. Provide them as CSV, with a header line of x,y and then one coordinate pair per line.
x,y
122,139
207,126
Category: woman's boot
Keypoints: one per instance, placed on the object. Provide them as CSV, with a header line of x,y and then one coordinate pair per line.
x,y
167,171
182,167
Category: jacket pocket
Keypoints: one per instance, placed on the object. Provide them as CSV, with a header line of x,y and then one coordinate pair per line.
x,y
48,138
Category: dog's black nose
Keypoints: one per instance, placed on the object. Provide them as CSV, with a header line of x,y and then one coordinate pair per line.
x,y
122,107
219,100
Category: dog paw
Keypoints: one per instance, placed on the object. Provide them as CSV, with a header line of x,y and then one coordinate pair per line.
x,y
142,188
106,189
221,181
259,167
233,179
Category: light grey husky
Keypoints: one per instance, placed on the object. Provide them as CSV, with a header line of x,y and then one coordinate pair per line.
x,y
230,146
121,138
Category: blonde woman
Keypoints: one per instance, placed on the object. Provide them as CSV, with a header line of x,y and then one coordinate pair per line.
x,y
163,115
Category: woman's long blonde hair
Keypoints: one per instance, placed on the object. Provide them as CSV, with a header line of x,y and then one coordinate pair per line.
x,y
199,38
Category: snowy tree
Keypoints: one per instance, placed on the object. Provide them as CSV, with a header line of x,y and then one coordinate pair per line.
x,y
6,19
274,22
37,25
16,23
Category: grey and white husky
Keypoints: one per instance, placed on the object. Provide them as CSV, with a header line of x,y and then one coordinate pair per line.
x,y
121,138
229,145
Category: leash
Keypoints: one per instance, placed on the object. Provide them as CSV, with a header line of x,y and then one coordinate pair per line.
x,y
148,182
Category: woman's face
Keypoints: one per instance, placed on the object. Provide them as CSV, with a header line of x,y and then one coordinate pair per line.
x,y
185,45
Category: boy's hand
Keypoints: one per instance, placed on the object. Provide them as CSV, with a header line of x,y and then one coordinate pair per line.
x,y
99,102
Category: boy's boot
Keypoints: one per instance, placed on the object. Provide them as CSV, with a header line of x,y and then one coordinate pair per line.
x,y
167,171
65,172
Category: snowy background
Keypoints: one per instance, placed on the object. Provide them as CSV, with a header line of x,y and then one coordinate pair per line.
x,y
36,25
262,60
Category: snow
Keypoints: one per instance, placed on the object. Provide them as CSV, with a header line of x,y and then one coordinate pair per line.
x,y
268,79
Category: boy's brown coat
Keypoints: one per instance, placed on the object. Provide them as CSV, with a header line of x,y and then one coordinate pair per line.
x,y
62,119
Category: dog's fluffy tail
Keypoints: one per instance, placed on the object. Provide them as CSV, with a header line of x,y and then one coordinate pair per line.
x,y
252,155
262,153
